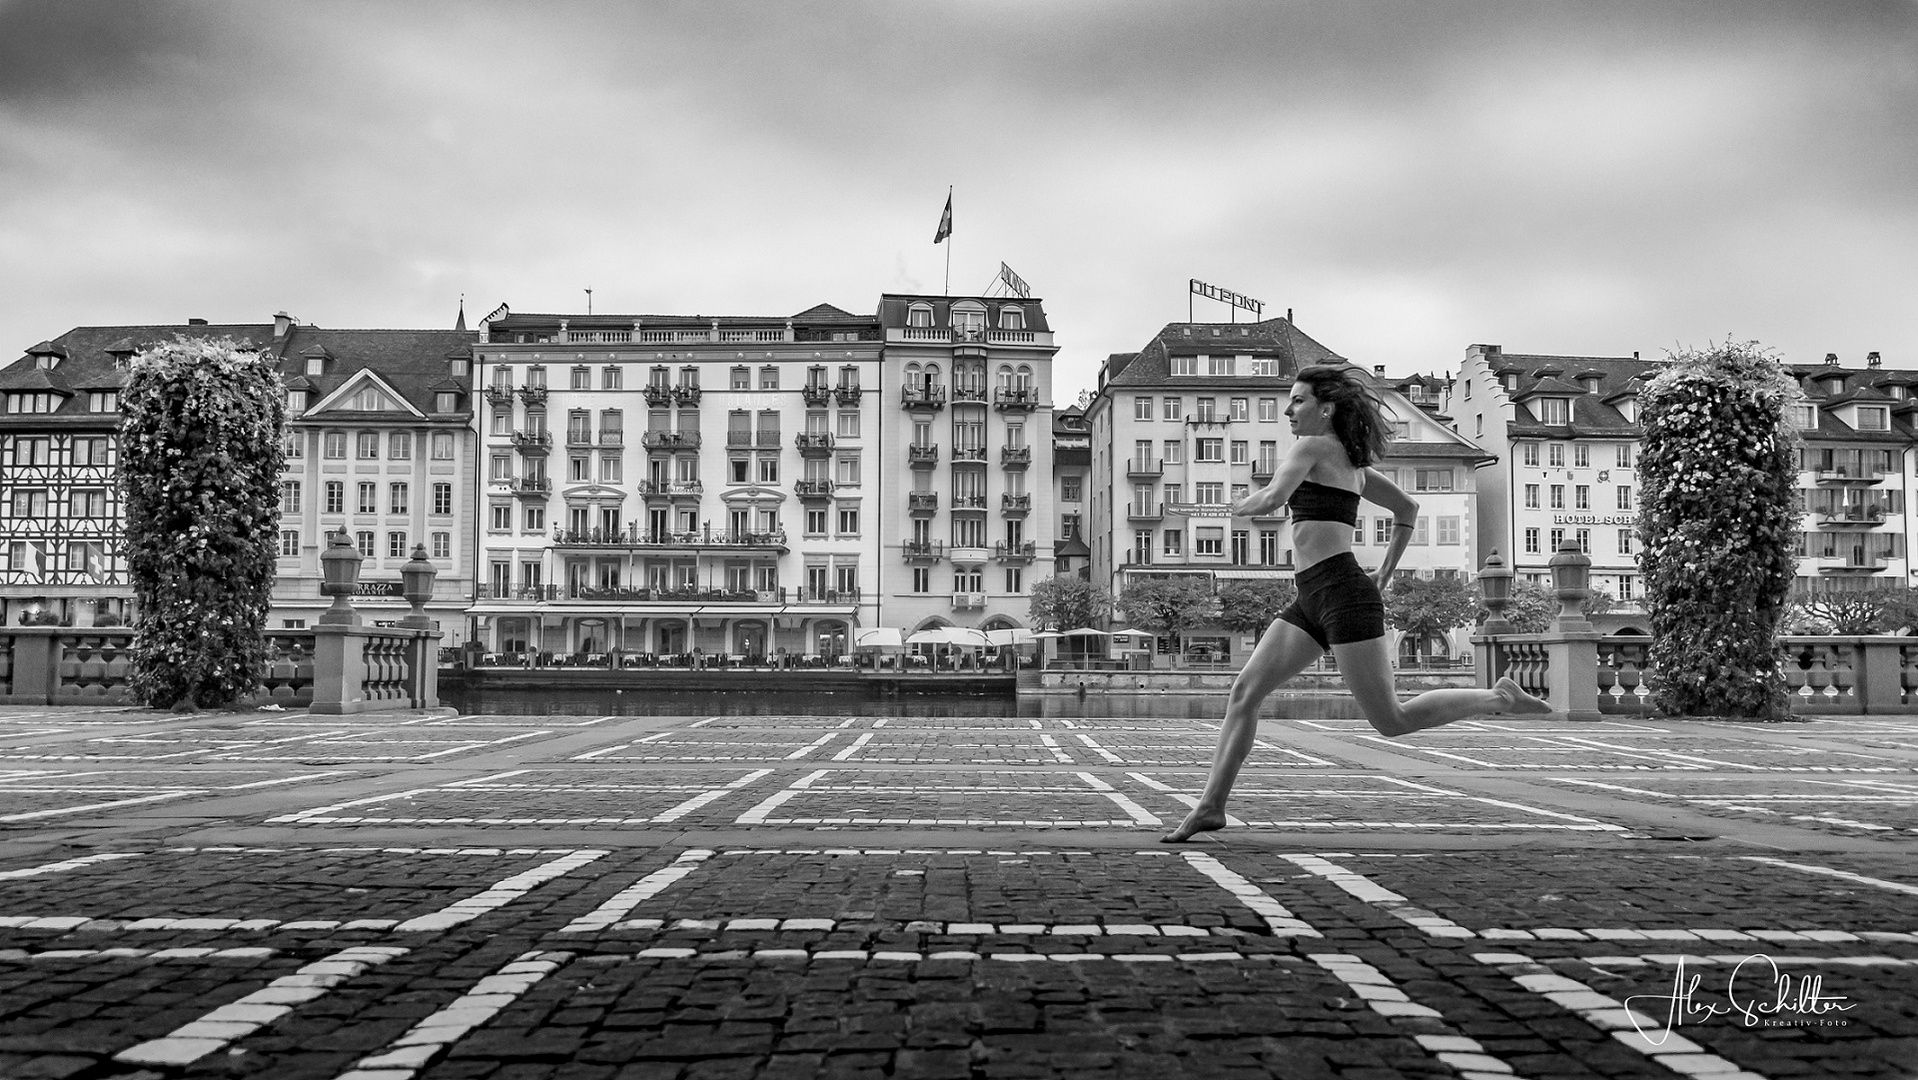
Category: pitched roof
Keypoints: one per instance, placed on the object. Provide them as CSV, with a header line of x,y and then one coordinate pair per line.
x,y
1594,412
1276,338
412,362
91,362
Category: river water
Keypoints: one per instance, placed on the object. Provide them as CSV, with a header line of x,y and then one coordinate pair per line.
x,y
652,702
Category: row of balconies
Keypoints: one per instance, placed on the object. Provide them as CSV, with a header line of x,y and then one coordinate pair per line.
x,y
1148,467
1839,517
820,394
912,397
689,595
935,550
1024,398
920,503
635,537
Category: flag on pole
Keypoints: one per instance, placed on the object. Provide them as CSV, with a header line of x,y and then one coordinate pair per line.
x,y
945,221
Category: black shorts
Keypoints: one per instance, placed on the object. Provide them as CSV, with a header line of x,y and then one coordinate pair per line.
x,y
1338,603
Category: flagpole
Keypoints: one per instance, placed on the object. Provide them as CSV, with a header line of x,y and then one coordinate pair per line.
x,y
948,246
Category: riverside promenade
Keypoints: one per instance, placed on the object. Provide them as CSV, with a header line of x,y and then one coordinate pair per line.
x,y
423,894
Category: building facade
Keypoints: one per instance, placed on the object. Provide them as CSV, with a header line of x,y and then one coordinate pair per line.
x,y
1856,477
672,484
1195,421
970,417
380,446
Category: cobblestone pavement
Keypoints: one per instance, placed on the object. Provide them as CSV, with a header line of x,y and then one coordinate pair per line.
x,y
426,895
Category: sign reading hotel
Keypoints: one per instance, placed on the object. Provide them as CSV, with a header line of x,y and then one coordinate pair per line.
x,y
1014,284
1224,296
1594,519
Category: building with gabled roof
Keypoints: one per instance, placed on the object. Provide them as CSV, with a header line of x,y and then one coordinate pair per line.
x,y
1860,426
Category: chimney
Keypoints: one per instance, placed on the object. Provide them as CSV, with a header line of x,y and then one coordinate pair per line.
x,y
1634,354
1378,371
1872,361
196,322
1288,314
1831,359
282,322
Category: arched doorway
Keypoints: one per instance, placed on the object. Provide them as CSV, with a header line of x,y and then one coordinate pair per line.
x,y
590,636
669,637
831,639
749,640
513,634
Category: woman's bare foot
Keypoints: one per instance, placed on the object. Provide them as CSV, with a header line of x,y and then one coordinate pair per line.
x,y
1517,700
1198,821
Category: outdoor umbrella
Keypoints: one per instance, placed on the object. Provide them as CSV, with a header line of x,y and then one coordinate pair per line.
x,y
1085,631
880,637
967,636
1017,635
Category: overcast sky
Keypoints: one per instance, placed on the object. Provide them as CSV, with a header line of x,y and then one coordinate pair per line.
x,y
1409,177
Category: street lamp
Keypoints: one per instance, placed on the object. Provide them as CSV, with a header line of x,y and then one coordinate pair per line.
x,y
340,575
1495,586
1571,574
416,585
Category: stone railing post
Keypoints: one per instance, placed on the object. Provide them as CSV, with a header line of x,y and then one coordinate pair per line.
x,y
1571,645
36,665
1880,674
339,669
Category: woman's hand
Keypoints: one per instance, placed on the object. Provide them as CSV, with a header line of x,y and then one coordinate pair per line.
x,y
1382,579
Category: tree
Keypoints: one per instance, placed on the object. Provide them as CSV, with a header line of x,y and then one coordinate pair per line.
x,y
1248,607
1068,602
200,460
1427,608
1167,606
1872,611
1532,608
1718,525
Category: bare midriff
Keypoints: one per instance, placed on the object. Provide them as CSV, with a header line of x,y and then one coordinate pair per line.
x,y
1316,541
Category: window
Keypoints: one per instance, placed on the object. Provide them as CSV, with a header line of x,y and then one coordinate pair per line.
x,y
1558,539
848,424
919,315
1237,410
1530,453
846,473
1172,408
399,446
1558,496
368,446
1448,529
582,378
1012,318
1582,497
29,503
1805,416
609,469
1873,417
103,401
610,377
369,501
1432,479
742,378
815,522
1624,541
1419,534
1212,450
578,469
442,545
1241,451
446,401
442,498
503,422
396,545
1015,580
1208,540
1531,542
769,469
1207,410
1174,451
1624,455
1552,410
1174,542
1071,489
1142,408
1556,455
1585,541
442,446
289,543
1185,365
1268,409
1531,496
335,497
1269,546
94,452
1581,456
398,499
502,517
769,377
1218,365
363,540
334,445
289,496
848,520
1210,494
1624,496
534,520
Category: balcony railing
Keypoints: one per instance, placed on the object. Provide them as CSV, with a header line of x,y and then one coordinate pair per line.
x,y
635,537
813,489
813,443
532,442
657,394
1867,516
1018,397
847,395
969,393
614,437
671,440
1015,505
533,395
968,453
498,394
579,437
1015,457
532,486
1015,553
816,393
1848,474
922,457
1263,468
923,397
1145,512
672,489
969,502
922,502
1145,467
687,395
965,600
924,550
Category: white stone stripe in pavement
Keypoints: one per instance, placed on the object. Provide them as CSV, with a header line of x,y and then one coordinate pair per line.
x,y
66,864
1190,801
1636,1030
1881,883
1448,1044
1282,922
700,800
502,893
645,888
854,748
1058,754
31,815
324,811
1111,758
1583,822
1137,813
412,1051
254,1011
680,953
814,745
1735,959
1372,892
195,952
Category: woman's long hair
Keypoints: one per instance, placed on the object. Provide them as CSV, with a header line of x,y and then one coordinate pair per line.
x,y
1356,419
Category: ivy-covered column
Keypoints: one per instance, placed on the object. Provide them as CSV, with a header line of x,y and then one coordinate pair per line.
x,y
200,460
1717,522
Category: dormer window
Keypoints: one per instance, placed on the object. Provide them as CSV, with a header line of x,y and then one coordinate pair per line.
x,y
369,400
103,401
47,361
460,367
919,315
1804,416
42,402
446,401
1185,365
1553,410
1012,318
1874,418
968,319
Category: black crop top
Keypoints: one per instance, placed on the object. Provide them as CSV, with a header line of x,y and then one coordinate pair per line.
x,y
1323,502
